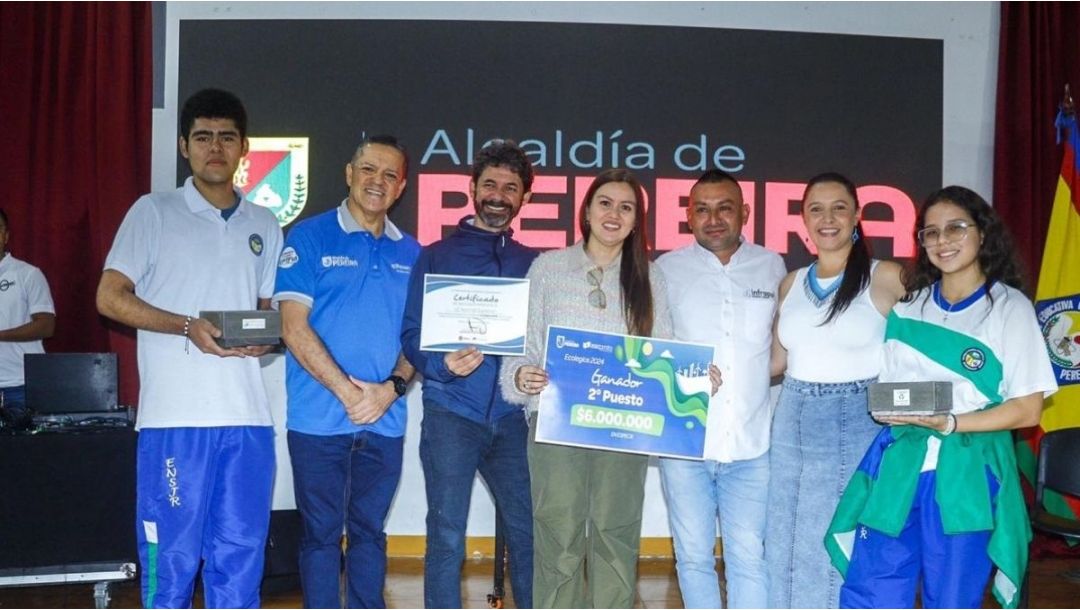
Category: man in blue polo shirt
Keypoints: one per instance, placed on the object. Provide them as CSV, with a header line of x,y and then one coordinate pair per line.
x,y
341,285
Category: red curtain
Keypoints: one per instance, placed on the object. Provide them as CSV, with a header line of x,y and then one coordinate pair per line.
x,y
75,97
1039,53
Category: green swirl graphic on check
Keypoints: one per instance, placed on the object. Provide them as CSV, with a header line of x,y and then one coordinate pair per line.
x,y
686,396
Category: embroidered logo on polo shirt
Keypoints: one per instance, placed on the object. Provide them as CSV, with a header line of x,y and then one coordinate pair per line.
x,y
406,269
339,261
288,258
5,284
973,359
758,293
255,242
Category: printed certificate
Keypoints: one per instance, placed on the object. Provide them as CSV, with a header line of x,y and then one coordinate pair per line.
x,y
490,313
625,393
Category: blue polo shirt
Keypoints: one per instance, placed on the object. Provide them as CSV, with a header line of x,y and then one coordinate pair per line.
x,y
355,284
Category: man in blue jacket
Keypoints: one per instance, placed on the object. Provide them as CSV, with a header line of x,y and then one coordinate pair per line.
x,y
467,425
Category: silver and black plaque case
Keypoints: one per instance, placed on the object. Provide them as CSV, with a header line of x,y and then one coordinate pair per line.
x,y
910,398
242,328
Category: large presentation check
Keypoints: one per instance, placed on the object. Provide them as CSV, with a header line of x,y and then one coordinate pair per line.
x,y
625,393
488,312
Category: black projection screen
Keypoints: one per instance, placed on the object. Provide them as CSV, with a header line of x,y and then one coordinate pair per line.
x,y
773,108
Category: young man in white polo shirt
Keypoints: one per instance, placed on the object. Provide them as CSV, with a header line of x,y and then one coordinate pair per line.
x,y
722,291
206,439
26,317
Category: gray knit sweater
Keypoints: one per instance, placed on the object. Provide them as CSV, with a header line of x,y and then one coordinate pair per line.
x,y
559,294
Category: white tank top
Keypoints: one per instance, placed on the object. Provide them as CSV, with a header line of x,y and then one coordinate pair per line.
x,y
846,349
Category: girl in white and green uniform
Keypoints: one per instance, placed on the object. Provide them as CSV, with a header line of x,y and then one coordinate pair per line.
x,y
938,498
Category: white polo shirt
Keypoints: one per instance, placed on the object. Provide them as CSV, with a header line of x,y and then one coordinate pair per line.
x,y
730,307
184,258
991,351
23,292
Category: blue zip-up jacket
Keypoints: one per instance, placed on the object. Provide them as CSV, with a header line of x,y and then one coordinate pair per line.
x,y
467,251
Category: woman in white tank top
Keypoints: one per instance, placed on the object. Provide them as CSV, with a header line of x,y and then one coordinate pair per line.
x,y
829,331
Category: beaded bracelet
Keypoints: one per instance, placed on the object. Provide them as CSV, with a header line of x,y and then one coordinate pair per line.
x,y
187,333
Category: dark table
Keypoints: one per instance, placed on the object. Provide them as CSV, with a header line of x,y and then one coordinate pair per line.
x,y
67,507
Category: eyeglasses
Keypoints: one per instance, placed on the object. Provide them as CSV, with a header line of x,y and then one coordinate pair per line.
x,y
953,232
597,298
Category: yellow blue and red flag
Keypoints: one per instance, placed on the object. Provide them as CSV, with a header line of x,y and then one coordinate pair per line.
x,y
1057,304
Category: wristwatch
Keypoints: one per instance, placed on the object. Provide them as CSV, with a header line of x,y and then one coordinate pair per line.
x,y
399,384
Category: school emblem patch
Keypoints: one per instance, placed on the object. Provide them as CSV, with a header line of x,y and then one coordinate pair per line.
x,y
255,242
1060,320
274,175
973,359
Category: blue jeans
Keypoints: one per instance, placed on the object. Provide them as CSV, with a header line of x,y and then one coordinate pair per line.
x,y
13,397
452,450
820,433
737,492
344,482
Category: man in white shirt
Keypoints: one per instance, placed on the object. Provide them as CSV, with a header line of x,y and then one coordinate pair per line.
x,y
722,291
26,317
205,463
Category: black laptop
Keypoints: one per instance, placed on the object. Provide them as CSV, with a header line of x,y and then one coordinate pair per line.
x,y
66,384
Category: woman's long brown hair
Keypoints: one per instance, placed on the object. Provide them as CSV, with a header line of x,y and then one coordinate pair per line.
x,y
634,269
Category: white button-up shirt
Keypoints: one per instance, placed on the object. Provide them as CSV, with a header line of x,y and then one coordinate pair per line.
x,y
730,307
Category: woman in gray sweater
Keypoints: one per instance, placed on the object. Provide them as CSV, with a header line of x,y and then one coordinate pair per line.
x,y
604,283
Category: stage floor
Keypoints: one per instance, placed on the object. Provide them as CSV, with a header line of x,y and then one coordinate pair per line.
x,y
657,588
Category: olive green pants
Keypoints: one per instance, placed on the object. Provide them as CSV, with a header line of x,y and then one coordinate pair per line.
x,y
586,525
